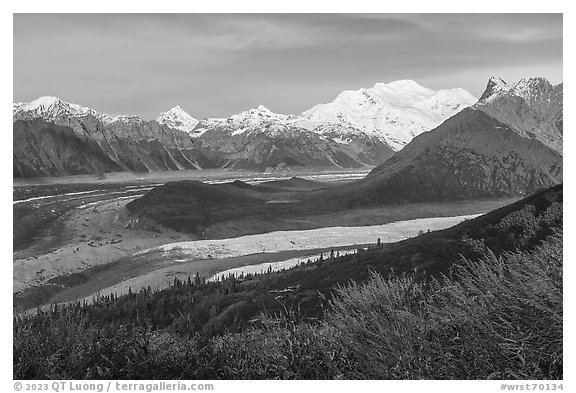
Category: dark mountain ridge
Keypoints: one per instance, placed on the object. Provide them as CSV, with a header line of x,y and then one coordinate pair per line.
x,y
275,147
130,145
532,107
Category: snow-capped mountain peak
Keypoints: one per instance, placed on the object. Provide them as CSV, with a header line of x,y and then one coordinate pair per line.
x,y
177,118
262,108
533,107
494,88
402,87
395,112
528,88
255,116
50,108
53,109
43,102
531,90
258,112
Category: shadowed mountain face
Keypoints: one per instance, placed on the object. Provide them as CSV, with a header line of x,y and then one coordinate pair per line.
x,y
509,143
533,108
45,149
86,145
276,146
260,139
471,155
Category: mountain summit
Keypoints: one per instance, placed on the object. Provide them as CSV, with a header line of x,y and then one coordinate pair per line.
x,y
49,108
495,86
532,107
395,112
177,118
508,144
53,109
52,137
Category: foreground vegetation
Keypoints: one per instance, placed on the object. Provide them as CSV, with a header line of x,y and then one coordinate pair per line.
x,y
495,314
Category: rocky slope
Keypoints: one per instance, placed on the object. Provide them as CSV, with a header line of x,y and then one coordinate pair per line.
x,y
128,142
46,149
363,127
178,119
263,140
257,139
509,143
532,107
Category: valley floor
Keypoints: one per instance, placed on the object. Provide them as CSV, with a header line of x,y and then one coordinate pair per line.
x,y
74,240
159,266
205,175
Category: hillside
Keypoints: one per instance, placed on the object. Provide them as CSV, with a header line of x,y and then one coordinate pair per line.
x,y
470,155
532,107
89,142
519,226
269,146
41,148
216,330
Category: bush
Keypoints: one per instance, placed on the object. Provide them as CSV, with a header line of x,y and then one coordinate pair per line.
x,y
493,318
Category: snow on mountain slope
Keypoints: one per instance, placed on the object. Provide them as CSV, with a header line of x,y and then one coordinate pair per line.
x,y
52,137
395,112
533,108
494,87
178,119
507,144
48,108
260,118
361,127
53,108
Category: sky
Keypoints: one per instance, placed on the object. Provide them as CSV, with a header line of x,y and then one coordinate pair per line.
x,y
214,65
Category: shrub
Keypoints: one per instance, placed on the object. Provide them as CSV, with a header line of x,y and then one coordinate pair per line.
x,y
493,318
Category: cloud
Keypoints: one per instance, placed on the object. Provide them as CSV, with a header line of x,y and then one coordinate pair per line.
x,y
220,63
492,27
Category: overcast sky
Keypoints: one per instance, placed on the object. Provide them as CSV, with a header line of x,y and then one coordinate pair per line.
x,y
214,65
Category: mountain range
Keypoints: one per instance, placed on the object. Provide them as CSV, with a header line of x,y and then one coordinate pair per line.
x,y
359,128
508,144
